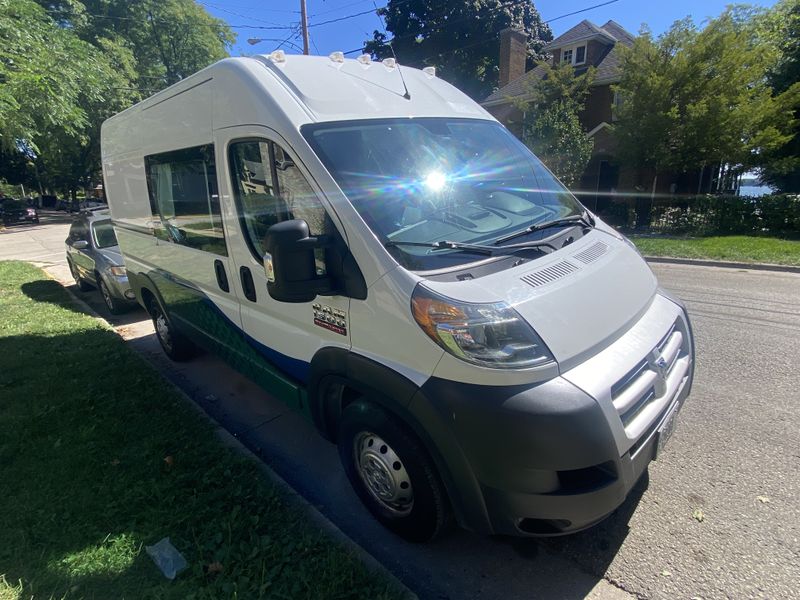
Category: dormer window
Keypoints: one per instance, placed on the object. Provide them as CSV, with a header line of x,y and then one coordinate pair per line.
x,y
576,55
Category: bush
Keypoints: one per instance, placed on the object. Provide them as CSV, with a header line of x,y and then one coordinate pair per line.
x,y
777,214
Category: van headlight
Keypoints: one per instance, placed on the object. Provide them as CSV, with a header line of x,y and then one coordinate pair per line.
x,y
117,271
490,335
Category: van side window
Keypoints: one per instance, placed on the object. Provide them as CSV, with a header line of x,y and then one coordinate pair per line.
x,y
269,188
184,197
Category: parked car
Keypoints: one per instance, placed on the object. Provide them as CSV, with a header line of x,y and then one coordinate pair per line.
x,y
94,260
18,211
373,247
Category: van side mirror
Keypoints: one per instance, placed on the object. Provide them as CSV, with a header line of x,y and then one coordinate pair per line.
x,y
290,263
80,244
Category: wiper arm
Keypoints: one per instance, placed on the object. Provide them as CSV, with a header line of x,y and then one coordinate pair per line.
x,y
477,248
584,219
444,245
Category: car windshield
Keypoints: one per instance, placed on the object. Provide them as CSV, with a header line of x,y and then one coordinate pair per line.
x,y
104,236
425,180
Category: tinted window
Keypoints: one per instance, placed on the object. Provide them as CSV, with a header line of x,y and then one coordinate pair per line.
x,y
270,188
184,197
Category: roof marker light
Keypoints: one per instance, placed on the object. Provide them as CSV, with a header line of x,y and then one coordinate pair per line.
x,y
337,57
365,59
389,63
429,71
277,56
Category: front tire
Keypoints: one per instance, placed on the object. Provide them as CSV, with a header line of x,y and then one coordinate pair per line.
x,y
174,344
392,473
113,305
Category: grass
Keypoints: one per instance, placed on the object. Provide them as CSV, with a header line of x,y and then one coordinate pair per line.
x,y
100,457
737,248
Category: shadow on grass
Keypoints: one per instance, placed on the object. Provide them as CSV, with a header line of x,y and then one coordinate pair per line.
x,y
51,292
99,456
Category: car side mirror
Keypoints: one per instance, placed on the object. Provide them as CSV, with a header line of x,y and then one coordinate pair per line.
x,y
80,244
290,263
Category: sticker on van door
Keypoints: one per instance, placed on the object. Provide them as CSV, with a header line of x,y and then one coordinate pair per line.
x,y
333,319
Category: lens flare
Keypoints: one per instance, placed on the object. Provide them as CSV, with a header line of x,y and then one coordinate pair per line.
x,y
435,180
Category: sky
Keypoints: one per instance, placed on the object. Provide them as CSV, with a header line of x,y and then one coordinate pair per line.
x,y
350,33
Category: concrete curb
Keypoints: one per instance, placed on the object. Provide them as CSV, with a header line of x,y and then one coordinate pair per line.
x,y
231,441
698,262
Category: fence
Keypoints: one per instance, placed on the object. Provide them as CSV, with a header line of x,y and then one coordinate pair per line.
x,y
708,215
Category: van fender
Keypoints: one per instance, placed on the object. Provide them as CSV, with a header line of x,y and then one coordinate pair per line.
x,y
139,282
331,368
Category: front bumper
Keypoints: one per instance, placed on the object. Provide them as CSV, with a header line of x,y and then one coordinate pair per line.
x,y
560,456
120,288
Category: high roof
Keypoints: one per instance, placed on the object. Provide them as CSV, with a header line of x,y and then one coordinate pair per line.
x,y
607,68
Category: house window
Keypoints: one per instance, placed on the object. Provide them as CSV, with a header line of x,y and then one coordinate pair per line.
x,y
575,55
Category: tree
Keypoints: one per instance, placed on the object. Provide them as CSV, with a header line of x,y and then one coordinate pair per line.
x,y
461,38
552,127
43,71
695,98
70,65
781,167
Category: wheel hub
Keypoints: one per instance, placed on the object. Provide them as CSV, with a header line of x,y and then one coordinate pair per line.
x,y
383,473
162,329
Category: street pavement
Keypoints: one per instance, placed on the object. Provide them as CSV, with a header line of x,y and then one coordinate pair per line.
x,y
717,517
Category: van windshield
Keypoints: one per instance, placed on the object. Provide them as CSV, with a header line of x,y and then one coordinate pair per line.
x,y
424,180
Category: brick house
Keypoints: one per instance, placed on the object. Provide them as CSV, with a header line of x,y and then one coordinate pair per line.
x,y
583,46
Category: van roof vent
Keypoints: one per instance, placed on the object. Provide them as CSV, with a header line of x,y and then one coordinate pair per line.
x,y
549,274
592,253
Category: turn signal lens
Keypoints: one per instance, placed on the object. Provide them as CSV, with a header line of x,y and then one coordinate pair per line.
x,y
489,335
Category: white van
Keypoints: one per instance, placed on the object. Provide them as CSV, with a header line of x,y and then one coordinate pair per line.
x,y
370,245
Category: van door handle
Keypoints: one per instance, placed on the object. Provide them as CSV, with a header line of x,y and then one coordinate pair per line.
x,y
222,276
248,286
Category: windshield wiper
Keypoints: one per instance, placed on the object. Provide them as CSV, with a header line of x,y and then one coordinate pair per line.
x,y
477,248
584,219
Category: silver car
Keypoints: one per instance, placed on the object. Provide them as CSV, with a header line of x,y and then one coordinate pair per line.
x,y
95,260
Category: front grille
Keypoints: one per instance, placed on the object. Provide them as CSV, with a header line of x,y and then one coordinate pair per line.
x,y
649,380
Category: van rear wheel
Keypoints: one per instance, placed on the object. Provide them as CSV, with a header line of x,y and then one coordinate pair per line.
x,y
392,473
174,344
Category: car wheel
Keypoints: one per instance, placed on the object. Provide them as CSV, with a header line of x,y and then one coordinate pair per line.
x,y
392,473
174,344
82,285
114,306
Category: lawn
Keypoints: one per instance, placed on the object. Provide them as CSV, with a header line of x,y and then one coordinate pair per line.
x,y
737,248
99,457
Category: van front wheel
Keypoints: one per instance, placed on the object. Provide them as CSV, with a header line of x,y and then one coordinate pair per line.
x,y
174,344
391,473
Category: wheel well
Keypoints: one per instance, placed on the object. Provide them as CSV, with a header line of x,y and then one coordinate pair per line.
x,y
147,299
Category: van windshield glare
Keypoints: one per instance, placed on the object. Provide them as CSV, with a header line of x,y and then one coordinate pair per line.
x,y
424,180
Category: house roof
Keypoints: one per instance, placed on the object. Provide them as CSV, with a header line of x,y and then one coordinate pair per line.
x,y
607,68
583,30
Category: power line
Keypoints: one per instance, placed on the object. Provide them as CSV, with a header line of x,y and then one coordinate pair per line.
x,y
168,21
366,12
236,14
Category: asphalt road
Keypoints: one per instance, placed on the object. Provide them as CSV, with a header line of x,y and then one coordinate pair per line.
x,y
735,457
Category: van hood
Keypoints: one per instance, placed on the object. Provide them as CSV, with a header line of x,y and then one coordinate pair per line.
x,y
579,299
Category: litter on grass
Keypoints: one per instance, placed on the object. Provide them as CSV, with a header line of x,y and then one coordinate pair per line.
x,y
167,558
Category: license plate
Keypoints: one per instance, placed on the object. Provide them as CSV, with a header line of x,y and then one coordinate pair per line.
x,y
666,430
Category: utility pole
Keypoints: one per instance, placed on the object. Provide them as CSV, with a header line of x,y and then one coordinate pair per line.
x,y
304,21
